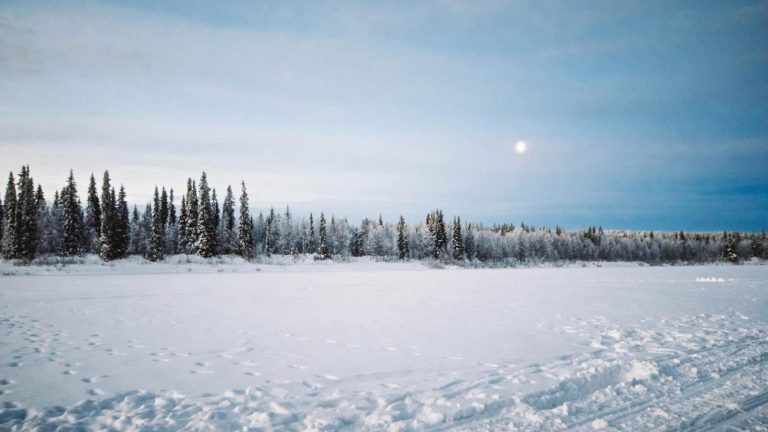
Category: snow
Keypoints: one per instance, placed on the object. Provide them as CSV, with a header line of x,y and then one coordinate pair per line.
x,y
230,345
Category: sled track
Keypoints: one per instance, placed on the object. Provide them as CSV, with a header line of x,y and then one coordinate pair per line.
x,y
698,373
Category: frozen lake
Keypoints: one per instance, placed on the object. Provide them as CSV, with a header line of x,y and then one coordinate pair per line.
x,y
377,346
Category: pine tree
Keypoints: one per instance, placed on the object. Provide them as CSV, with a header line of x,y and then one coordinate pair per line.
x,y
322,247
93,217
245,232
155,250
10,229
227,229
73,219
122,225
402,241
206,238
107,248
457,243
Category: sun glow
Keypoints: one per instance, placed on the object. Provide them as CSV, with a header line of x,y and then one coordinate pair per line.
x,y
520,147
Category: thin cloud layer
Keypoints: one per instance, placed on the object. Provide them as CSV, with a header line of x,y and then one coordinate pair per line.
x,y
636,116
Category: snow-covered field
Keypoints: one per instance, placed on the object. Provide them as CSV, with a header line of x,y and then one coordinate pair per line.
x,y
383,346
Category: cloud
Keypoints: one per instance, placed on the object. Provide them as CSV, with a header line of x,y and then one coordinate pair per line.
x,y
386,105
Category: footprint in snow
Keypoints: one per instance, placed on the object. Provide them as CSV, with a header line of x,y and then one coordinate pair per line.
x,y
70,372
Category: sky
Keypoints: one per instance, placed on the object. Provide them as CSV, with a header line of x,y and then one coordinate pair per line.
x,y
636,115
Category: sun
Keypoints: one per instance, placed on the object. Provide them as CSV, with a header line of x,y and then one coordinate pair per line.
x,y
520,147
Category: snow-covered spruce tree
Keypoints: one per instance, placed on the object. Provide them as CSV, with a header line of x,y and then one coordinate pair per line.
x,y
2,221
287,238
216,211
171,228
192,217
322,247
357,243
183,218
155,249
729,250
10,228
206,228
245,230
26,214
436,228
227,228
122,225
44,235
73,219
402,240
164,207
270,239
469,242
137,241
457,242
312,242
107,246
92,217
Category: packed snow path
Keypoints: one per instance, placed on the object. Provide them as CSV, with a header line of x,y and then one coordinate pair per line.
x,y
367,346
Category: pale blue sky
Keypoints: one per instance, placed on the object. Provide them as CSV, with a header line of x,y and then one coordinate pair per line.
x,y
648,115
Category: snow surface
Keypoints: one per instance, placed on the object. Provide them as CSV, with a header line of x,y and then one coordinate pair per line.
x,y
382,346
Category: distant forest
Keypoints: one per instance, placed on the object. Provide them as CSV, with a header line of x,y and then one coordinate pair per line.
x,y
31,226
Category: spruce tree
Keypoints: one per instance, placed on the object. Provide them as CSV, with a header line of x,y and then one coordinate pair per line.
x,y
26,213
135,243
147,220
2,222
322,247
192,217
73,219
155,249
245,231
457,242
469,243
216,213
171,229
93,217
164,207
183,218
107,241
402,241
10,231
171,210
122,226
227,229
206,239
312,239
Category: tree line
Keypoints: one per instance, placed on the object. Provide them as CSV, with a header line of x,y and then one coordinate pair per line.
x,y
30,226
